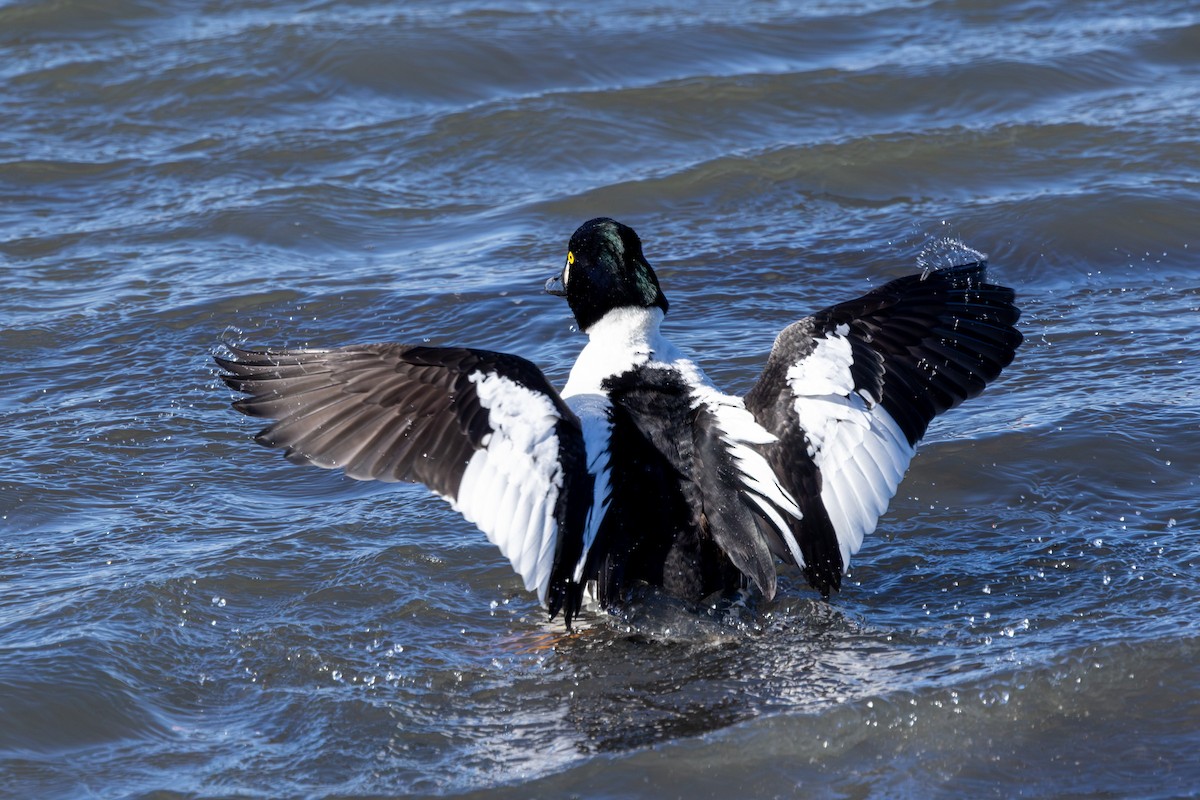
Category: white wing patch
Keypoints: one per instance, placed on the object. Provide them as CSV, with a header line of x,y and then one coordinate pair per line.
x,y
861,452
511,487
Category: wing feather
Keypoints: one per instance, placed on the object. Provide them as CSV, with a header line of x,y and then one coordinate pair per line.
x,y
858,383
484,430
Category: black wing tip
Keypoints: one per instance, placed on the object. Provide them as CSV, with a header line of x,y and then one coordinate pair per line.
x,y
273,356
826,579
968,267
234,362
971,275
248,370
241,361
248,406
974,276
240,371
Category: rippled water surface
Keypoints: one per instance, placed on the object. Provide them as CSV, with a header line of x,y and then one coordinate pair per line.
x,y
184,614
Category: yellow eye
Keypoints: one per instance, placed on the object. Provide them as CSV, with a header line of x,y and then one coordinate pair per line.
x,y
567,270
570,258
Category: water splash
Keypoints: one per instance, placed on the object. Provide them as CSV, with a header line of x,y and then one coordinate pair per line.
x,y
939,253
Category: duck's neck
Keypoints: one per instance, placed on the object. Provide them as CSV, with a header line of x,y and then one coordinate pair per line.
x,y
629,327
618,341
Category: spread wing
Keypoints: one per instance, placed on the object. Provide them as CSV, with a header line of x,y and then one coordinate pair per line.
x,y
484,430
850,391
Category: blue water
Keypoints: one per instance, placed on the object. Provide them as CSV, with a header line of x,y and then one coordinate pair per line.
x,y
184,614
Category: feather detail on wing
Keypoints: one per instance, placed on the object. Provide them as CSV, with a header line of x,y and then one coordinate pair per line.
x,y
850,391
484,430
759,527
595,418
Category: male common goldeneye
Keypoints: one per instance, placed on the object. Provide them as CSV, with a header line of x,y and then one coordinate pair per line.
x,y
641,471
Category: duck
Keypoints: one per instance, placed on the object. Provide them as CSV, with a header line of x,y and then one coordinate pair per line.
x,y
641,472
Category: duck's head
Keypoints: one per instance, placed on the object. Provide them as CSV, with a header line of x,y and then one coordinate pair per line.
x,y
605,269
